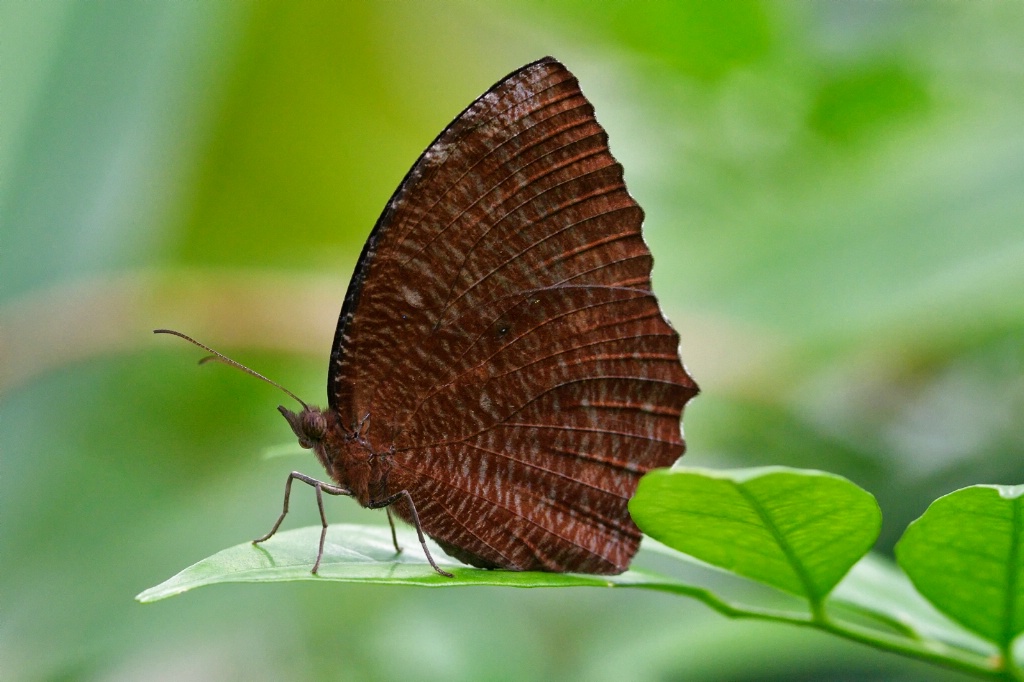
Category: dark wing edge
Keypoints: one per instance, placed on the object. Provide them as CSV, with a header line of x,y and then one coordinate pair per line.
x,y
366,256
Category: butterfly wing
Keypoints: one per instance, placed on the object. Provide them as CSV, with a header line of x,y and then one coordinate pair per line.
x,y
501,340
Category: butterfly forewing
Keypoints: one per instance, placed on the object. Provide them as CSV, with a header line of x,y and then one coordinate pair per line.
x,y
500,343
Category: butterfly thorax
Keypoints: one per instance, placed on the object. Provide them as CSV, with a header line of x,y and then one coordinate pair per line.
x,y
345,454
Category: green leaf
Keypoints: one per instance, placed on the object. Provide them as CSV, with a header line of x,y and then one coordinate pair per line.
x,y
964,554
353,553
799,531
365,554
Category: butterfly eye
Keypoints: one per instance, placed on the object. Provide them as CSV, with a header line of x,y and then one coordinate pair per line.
x,y
314,426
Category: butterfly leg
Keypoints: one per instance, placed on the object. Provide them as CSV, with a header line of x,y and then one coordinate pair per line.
x,y
394,536
320,488
387,502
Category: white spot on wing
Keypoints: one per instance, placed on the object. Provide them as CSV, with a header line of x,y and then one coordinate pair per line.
x,y
412,297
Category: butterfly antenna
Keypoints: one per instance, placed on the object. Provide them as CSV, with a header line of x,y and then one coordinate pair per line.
x,y
225,359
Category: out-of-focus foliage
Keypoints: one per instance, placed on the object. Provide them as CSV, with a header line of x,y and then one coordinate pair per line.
x,y
835,201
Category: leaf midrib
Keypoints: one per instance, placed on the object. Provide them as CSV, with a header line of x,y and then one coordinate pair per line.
x,y
795,564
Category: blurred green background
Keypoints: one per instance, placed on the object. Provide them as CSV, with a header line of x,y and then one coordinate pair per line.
x,y
835,201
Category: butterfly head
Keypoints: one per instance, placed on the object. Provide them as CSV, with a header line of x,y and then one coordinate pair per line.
x,y
346,459
310,427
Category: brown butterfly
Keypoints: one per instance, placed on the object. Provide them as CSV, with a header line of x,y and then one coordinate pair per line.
x,y
502,375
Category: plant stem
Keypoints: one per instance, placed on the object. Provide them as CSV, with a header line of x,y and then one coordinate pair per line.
x,y
929,650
